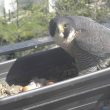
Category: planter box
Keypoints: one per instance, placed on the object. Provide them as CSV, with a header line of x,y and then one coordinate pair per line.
x,y
70,92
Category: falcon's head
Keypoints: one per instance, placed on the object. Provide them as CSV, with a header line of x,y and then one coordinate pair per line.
x,y
62,29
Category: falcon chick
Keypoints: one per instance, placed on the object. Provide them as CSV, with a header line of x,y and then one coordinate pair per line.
x,y
84,39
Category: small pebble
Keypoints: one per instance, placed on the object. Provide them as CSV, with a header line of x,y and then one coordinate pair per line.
x,y
38,85
50,82
31,86
43,81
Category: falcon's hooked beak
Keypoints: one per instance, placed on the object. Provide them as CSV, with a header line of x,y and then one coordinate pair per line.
x,y
67,33
61,30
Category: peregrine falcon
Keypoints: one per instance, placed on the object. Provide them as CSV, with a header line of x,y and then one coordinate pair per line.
x,y
84,39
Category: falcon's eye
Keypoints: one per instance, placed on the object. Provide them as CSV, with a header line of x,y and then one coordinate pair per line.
x,y
65,25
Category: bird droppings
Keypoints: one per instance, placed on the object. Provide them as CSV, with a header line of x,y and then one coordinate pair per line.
x,y
7,90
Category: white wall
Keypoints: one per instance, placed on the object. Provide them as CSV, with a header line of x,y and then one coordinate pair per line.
x,y
7,5
51,6
1,7
10,5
